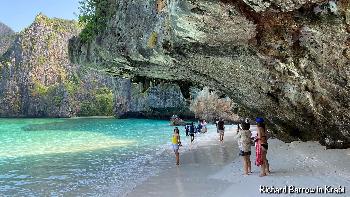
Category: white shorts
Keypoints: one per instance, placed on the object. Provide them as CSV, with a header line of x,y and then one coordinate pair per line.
x,y
175,147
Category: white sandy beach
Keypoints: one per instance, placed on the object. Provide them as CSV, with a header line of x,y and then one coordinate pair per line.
x,y
209,168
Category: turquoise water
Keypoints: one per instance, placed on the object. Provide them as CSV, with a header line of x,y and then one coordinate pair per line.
x,y
80,157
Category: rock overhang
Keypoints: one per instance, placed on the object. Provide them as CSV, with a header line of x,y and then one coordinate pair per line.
x,y
277,59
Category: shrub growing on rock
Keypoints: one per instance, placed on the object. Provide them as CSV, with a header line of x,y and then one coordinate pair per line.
x,y
208,105
94,15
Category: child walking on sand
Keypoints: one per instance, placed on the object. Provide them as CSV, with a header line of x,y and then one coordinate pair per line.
x,y
176,143
244,142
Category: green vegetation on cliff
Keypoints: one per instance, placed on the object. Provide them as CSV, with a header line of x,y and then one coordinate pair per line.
x,y
94,15
39,89
102,104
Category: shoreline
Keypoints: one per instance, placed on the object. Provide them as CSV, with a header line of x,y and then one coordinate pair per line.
x,y
214,169
197,161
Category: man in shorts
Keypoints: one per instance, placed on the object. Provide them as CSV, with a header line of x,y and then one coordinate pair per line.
x,y
221,129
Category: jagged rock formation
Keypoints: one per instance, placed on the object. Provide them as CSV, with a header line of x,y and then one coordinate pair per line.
x,y
287,61
7,36
38,80
157,101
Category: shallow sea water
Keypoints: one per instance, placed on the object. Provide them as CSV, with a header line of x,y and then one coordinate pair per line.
x,y
80,157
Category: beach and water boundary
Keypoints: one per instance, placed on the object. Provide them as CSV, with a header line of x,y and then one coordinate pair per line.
x,y
210,168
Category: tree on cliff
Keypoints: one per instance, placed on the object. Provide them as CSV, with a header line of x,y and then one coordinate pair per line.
x,y
208,105
94,15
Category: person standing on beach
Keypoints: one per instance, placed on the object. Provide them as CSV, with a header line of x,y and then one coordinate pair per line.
x,y
238,128
192,131
262,147
204,126
246,121
176,143
187,129
244,142
221,129
199,127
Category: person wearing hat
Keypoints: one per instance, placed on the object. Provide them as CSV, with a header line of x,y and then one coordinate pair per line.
x,y
262,147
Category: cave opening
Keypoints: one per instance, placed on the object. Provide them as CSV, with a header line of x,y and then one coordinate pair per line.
x,y
150,82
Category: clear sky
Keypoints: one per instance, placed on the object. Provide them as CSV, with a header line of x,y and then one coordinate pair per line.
x,y
19,14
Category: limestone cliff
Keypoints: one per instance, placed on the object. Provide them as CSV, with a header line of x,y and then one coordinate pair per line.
x,y
7,36
38,80
157,101
285,60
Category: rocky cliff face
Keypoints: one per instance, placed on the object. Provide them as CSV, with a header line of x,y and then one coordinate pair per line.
x,y
7,36
157,101
38,80
287,61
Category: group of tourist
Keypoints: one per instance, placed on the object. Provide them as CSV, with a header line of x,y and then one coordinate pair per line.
x,y
245,142
191,129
